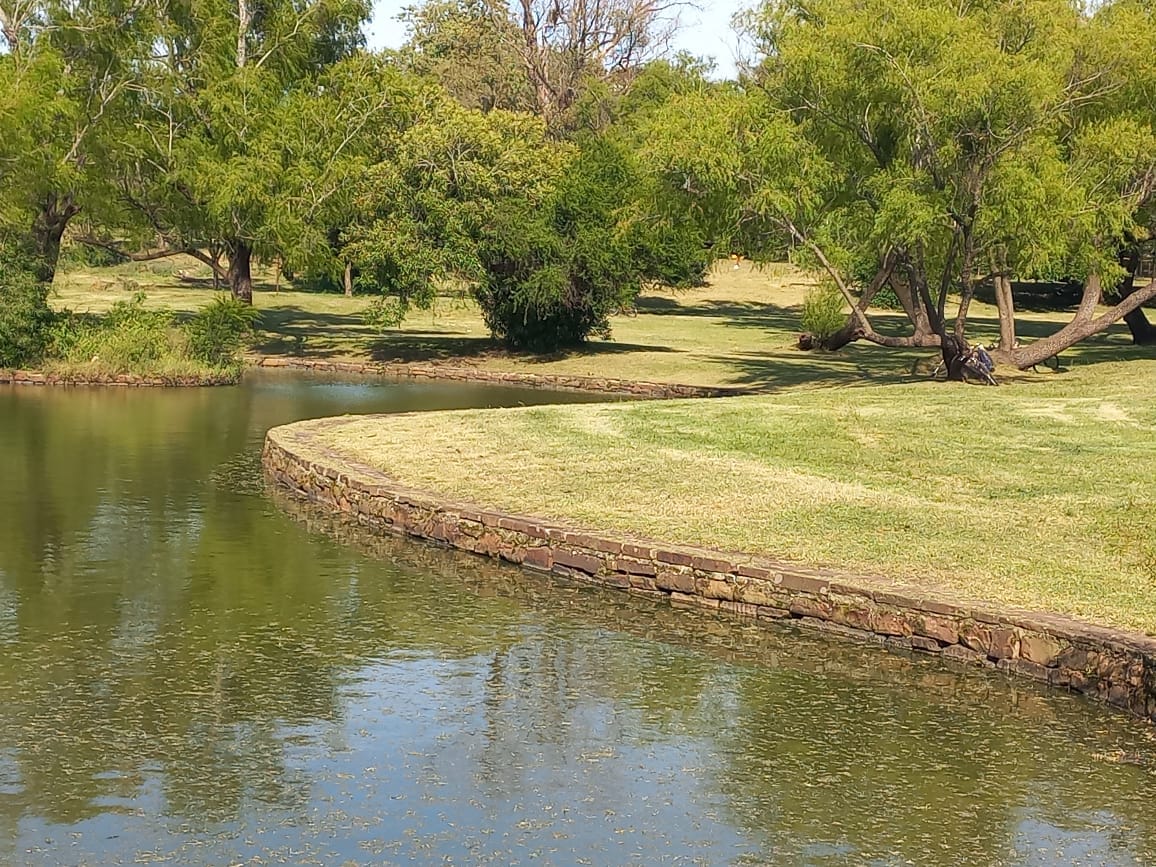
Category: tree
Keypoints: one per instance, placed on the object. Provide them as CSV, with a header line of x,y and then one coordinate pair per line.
x,y
1123,34
469,47
944,143
563,44
66,76
550,237
248,132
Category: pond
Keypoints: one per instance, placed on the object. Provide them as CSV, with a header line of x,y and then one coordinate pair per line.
x,y
194,669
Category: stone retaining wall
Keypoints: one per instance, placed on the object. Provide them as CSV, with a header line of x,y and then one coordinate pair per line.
x,y
1108,665
35,377
552,381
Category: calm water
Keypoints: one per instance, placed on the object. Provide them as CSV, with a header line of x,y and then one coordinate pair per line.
x,y
194,670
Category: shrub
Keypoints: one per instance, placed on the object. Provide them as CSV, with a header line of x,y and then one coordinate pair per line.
x,y
886,299
76,256
25,317
128,339
555,273
220,330
824,311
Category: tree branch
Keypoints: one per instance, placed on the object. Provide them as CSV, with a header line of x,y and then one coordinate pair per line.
x,y
152,255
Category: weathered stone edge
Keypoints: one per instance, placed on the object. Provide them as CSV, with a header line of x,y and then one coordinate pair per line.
x,y
36,377
559,382
553,381
1108,665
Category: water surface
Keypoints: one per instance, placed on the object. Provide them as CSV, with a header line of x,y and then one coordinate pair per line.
x,y
193,670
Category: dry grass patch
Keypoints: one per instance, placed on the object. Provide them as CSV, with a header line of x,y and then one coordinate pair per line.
x,y
970,490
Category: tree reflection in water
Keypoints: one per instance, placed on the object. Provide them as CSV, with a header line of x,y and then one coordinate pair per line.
x,y
192,669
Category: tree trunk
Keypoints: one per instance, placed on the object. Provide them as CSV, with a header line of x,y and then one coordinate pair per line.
x,y
215,256
1007,312
348,280
1082,324
240,275
853,330
1143,333
966,288
47,231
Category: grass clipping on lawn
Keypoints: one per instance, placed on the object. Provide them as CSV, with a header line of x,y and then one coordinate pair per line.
x,y
1035,495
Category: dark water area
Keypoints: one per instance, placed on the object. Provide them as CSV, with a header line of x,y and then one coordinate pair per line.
x,y
197,670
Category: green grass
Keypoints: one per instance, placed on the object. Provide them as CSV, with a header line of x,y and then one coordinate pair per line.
x,y
739,330
1038,495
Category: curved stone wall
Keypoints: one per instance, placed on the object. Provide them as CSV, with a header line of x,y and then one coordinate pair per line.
x,y
1108,665
35,377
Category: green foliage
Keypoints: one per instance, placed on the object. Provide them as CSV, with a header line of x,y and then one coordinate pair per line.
x,y
886,299
552,239
950,141
824,311
128,339
219,331
25,317
555,274
76,256
469,47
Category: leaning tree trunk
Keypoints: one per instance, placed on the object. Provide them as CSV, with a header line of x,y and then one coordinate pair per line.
x,y
347,279
853,329
240,274
1143,333
1083,324
47,231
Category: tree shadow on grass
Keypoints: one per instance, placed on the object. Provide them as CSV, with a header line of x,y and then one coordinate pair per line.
x,y
746,314
294,331
440,346
291,330
793,370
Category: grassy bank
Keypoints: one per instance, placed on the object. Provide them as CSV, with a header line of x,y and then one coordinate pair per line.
x,y
128,338
1037,495
738,330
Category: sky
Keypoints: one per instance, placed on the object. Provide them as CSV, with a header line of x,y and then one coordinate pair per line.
x,y
705,32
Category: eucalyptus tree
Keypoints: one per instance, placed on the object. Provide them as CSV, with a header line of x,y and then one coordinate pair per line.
x,y
564,43
923,145
469,47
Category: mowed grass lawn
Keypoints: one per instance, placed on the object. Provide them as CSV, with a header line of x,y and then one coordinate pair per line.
x,y
738,330
1039,495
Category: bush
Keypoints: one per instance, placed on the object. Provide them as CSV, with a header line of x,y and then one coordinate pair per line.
x,y
824,312
220,330
886,299
554,274
128,339
25,317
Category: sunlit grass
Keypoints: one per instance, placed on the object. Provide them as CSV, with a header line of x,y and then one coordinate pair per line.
x,y
1037,495
738,330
